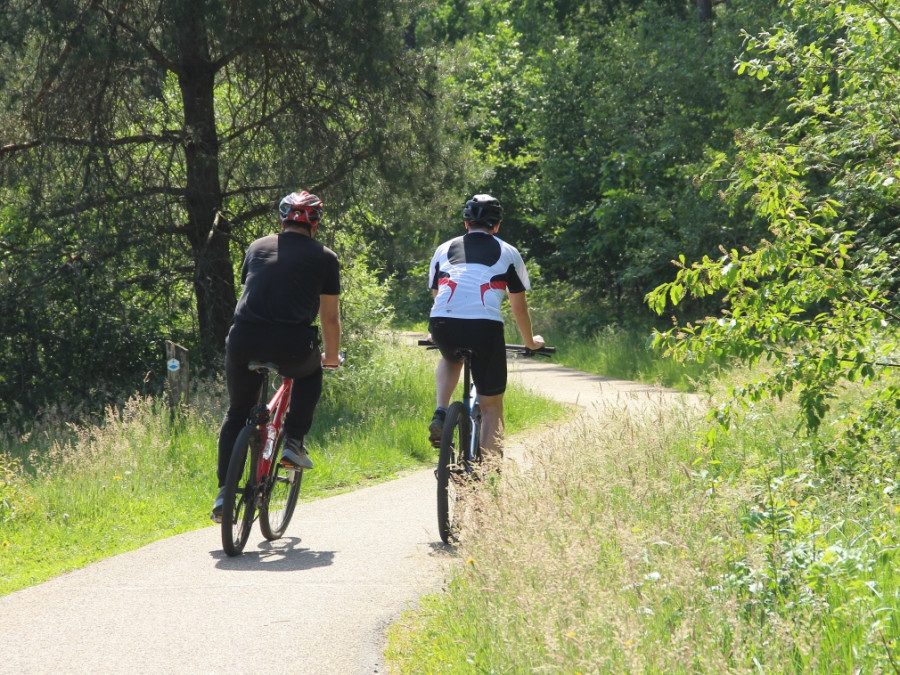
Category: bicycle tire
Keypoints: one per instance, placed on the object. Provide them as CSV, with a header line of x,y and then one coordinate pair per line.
x,y
476,429
239,503
454,440
280,497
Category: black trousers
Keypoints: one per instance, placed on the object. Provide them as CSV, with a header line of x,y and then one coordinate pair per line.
x,y
485,338
295,349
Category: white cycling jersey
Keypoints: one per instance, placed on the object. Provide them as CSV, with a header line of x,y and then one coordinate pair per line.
x,y
471,274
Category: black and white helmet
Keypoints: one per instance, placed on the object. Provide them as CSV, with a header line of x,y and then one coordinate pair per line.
x,y
483,210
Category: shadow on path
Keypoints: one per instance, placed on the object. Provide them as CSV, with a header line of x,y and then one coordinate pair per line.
x,y
283,555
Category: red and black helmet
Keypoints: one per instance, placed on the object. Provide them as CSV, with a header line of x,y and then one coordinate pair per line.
x,y
303,208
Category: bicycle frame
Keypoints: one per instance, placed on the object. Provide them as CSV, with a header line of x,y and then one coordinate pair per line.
x,y
270,421
470,400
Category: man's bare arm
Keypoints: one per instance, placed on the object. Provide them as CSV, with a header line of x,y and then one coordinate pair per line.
x,y
519,306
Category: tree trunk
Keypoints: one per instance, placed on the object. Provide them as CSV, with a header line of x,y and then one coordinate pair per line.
x,y
208,235
705,9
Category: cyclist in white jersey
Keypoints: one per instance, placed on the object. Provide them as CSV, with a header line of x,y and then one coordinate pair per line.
x,y
469,276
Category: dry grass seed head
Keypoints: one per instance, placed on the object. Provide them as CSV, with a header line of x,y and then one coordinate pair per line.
x,y
573,542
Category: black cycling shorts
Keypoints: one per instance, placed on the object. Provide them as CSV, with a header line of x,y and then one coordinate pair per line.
x,y
487,341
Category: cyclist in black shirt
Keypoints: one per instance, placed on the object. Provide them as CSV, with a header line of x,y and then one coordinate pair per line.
x,y
289,280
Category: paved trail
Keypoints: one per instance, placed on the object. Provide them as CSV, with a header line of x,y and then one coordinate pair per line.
x,y
317,601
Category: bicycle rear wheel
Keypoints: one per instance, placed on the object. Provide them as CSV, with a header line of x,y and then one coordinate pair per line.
x,y
239,502
476,430
454,440
280,498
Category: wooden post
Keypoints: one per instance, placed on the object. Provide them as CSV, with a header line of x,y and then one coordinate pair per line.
x,y
178,382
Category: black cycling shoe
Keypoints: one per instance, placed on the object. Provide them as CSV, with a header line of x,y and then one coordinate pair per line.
x,y
436,428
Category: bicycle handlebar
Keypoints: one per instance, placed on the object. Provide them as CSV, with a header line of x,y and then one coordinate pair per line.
x,y
525,351
519,349
341,358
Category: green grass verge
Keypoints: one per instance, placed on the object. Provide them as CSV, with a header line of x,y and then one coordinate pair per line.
x,y
69,496
626,355
629,548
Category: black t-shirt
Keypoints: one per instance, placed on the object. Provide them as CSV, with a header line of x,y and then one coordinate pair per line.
x,y
283,275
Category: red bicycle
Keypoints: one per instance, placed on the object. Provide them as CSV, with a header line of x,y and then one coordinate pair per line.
x,y
257,482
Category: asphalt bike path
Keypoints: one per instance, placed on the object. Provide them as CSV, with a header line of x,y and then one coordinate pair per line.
x,y
317,601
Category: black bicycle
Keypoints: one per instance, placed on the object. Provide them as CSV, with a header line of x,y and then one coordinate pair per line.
x,y
459,458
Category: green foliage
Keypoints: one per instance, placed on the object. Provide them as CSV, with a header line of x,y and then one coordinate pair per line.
x,y
817,297
144,147
819,544
617,165
597,178
365,312
71,318
625,354
15,501
620,161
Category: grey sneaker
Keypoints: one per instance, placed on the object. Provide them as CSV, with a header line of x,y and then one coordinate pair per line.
x,y
436,428
294,455
216,514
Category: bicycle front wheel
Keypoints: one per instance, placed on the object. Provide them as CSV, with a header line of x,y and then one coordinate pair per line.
x,y
280,498
239,502
454,440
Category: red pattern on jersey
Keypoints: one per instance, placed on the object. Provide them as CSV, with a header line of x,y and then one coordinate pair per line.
x,y
445,281
499,285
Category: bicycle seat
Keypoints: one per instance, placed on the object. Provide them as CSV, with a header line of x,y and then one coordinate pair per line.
x,y
261,365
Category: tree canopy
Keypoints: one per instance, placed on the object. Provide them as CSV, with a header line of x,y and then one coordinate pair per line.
x,y
146,143
817,297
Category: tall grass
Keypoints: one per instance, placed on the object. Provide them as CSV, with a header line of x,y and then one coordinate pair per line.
x,y
625,354
69,495
628,549
90,492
